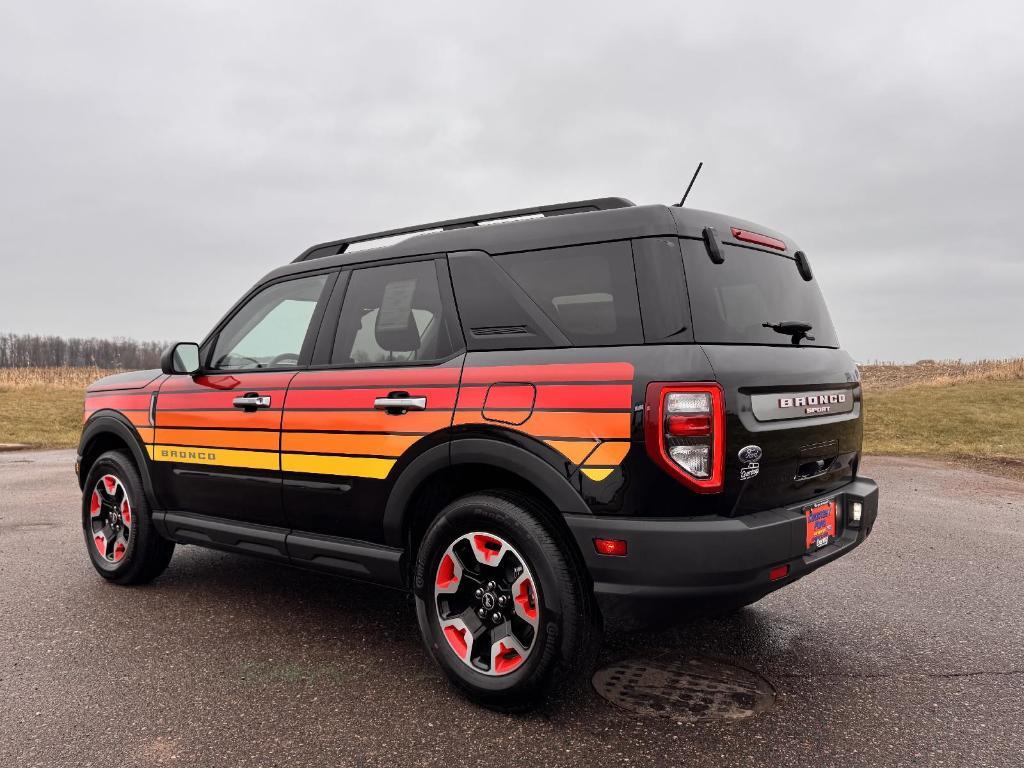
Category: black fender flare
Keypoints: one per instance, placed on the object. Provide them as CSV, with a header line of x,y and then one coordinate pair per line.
x,y
113,423
501,455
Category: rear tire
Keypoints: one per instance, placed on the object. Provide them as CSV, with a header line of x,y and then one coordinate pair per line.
x,y
496,552
123,545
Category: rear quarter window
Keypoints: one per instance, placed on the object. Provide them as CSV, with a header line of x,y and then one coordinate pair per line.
x,y
588,291
731,302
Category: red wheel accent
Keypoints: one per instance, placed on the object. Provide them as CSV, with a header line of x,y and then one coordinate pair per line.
x,y
457,640
487,603
506,659
110,519
488,546
525,599
446,573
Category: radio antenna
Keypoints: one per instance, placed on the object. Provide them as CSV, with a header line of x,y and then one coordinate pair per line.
x,y
690,185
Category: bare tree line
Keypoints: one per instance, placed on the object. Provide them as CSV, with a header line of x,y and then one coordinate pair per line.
x,y
30,351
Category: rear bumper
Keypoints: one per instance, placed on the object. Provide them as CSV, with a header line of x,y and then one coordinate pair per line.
x,y
672,563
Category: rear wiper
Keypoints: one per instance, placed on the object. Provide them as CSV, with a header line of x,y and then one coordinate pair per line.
x,y
793,328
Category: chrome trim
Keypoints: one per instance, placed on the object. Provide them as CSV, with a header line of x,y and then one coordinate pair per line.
x,y
400,403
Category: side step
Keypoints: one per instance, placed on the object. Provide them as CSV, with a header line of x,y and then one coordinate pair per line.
x,y
332,554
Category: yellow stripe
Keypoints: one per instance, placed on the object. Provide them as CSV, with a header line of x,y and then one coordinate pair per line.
x,y
347,466
596,474
219,457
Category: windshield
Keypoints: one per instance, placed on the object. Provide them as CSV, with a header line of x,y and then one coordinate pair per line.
x,y
754,297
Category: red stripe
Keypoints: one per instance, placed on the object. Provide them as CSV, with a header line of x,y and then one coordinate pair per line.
x,y
553,396
397,378
227,382
553,372
440,397
187,401
118,402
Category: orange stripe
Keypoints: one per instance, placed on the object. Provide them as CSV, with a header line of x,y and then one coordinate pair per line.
x,y
559,423
609,454
137,418
352,445
574,450
233,419
210,438
366,421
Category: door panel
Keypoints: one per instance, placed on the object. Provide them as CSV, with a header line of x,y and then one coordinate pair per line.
x,y
217,439
390,337
340,454
216,459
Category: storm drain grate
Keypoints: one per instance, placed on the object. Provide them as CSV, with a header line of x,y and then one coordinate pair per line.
x,y
688,690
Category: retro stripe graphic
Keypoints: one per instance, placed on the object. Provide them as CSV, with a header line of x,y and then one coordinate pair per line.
x,y
197,422
324,422
127,393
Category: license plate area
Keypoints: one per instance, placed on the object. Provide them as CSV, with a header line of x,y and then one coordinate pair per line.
x,y
821,524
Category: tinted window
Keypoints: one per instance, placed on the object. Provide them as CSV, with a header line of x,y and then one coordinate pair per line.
x,y
392,314
659,278
731,302
588,291
269,330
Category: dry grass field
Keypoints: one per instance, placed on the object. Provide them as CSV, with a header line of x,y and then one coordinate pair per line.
x,y
972,413
967,412
42,407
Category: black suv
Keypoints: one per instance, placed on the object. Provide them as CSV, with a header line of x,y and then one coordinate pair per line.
x,y
539,421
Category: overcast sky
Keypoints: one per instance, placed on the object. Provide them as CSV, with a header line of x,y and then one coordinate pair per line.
x,y
157,158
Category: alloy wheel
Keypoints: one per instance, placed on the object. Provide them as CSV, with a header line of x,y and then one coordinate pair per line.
x,y
110,519
487,603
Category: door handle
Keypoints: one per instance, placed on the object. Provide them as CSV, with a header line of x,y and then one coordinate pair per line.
x,y
250,401
398,403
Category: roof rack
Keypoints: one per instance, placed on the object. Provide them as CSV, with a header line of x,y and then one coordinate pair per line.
x,y
336,247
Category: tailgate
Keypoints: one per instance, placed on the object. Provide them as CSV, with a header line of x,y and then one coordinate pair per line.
x,y
801,408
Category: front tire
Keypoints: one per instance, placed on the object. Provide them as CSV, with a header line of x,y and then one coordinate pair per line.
x,y
123,545
502,607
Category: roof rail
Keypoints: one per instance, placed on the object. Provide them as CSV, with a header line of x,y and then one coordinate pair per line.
x,y
336,247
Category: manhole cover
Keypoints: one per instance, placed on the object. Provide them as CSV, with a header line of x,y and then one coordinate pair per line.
x,y
686,691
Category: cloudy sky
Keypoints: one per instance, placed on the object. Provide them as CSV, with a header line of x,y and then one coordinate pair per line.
x,y
158,158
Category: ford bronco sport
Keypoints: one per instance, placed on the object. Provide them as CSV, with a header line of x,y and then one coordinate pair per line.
x,y
538,421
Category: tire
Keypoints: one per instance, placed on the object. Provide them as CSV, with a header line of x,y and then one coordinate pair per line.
x,y
123,545
477,545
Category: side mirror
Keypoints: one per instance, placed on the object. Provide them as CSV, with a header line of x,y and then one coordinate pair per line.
x,y
180,358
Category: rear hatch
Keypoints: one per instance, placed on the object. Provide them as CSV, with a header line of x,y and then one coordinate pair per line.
x,y
792,397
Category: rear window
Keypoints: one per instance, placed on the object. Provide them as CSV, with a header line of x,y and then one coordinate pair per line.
x,y
588,291
731,302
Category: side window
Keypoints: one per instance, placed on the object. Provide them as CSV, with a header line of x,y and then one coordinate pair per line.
x,y
392,314
268,332
663,301
588,291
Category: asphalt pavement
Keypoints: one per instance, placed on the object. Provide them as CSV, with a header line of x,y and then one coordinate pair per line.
x,y
910,651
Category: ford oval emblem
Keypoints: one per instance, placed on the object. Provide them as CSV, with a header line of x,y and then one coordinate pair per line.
x,y
750,454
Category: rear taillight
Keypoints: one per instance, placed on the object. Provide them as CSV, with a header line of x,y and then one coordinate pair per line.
x,y
684,429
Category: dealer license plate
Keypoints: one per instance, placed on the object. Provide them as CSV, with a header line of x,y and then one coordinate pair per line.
x,y
821,524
